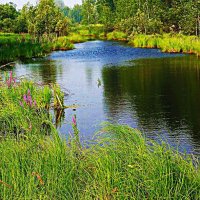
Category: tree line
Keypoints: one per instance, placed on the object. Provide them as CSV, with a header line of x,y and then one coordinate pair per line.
x,y
47,17
129,16
144,16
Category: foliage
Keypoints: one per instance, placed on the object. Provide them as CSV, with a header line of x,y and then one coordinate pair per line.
x,y
115,35
15,46
121,164
24,106
77,38
89,12
62,43
75,14
168,43
144,16
8,16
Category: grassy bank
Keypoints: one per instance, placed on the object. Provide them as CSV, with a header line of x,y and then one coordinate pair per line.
x,y
120,164
24,106
15,46
116,35
172,43
168,43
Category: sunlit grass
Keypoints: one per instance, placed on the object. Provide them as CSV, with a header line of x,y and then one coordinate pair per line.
x,y
24,106
36,163
168,43
116,35
120,165
14,46
62,43
77,38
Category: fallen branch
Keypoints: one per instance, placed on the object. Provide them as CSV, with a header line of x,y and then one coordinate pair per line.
x,y
8,64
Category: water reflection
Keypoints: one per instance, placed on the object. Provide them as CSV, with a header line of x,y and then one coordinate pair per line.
x,y
42,70
162,94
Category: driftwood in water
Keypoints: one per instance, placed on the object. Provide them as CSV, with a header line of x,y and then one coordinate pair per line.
x,y
8,64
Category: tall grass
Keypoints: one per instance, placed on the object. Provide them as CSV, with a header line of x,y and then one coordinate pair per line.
x,y
91,31
24,106
62,43
168,43
121,165
116,35
36,163
14,46
77,38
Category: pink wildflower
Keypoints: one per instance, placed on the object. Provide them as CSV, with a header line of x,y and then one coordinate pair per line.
x,y
21,104
34,103
25,98
74,120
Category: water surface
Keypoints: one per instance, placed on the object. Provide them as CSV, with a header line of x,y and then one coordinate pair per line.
x,y
158,93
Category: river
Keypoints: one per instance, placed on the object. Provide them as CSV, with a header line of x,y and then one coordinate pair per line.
x,y
157,93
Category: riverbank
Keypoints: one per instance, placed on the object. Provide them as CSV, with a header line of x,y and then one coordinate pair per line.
x,y
15,46
170,43
119,164
23,46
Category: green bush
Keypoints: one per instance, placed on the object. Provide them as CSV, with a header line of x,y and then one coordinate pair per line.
x,y
168,42
115,35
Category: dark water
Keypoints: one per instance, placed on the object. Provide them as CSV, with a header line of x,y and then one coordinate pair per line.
x,y
155,92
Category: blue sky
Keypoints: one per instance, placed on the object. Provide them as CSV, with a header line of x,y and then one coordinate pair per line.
x,y
20,3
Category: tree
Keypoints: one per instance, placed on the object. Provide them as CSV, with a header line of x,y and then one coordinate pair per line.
x,y
62,26
8,15
106,13
76,14
89,11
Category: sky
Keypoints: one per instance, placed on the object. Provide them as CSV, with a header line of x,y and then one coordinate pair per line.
x,y
20,3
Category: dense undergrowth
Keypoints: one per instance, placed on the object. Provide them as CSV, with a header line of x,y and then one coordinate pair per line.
x,y
172,43
36,163
15,46
168,43
24,106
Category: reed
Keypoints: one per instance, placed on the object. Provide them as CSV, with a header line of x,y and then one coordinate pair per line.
x,y
14,46
168,43
62,43
77,38
116,35
24,106
120,163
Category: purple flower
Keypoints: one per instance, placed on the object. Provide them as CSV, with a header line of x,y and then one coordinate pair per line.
x,y
11,75
29,92
25,98
21,104
10,79
30,102
74,120
29,98
8,83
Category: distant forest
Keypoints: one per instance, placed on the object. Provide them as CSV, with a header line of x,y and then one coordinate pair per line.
x,y
129,16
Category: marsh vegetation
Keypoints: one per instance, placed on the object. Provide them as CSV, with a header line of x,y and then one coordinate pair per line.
x,y
36,162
